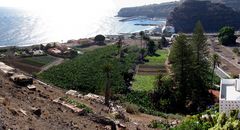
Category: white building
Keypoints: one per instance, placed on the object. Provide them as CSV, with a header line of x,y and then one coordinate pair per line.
x,y
168,30
229,98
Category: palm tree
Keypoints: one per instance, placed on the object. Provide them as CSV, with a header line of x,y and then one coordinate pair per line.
x,y
142,34
215,60
146,39
142,52
119,45
107,69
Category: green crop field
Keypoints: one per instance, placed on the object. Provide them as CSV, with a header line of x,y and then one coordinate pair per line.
x,y
85,72
143,82
38,61
158,59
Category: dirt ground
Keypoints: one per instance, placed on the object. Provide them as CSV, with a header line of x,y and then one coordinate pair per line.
x,y
150,70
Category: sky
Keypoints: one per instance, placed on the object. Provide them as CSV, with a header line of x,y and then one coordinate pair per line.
x,y
63,3
61,8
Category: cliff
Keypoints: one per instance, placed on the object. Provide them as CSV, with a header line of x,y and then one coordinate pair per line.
x,y
212,15
164,9
155,10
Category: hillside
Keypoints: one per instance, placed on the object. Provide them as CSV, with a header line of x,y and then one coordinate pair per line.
x,y
164,9
212,15
235,4
155,10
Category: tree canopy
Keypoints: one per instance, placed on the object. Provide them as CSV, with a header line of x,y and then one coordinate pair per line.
x,y
99,39
226,36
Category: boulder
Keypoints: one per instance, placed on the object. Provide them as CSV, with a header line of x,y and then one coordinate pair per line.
x,y
72,92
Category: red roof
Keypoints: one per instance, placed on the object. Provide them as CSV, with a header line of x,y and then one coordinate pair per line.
x,y
215,94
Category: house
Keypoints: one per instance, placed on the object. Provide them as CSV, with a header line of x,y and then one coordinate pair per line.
x,y
229,98
54,51
168,30
38,52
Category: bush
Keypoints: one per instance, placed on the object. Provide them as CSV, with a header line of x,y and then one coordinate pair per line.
x,y
226,36
131,108
159,124
99,39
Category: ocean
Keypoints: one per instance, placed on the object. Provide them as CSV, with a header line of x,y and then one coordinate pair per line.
x,y
20,27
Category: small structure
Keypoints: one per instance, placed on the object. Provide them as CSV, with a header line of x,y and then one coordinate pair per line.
x,y
168,30
21,79
38,53
229,98
54,51
31,87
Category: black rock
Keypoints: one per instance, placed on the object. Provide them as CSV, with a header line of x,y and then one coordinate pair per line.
x,y
213,16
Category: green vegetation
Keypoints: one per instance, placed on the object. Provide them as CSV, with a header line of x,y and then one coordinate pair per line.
x,y
215,60
38,61
236,51
227,36
158,59
163,96
159,124
85,73
77,104
191,71
143,82
151,47
99,39
107,69
131,108
162,43
211,121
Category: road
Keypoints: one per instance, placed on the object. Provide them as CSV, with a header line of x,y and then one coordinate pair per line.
x,y
227,57
222,74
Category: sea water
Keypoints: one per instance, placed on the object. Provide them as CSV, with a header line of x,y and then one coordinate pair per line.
x,y
21,27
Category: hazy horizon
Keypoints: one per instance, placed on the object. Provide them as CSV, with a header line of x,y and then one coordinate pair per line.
x,y
41,4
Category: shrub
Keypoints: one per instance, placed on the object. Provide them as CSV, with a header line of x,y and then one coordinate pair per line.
x,y
236,50
131,108
159,124
99,39
226,36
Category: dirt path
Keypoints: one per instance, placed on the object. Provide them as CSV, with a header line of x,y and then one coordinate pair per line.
x,y
58,61
167,62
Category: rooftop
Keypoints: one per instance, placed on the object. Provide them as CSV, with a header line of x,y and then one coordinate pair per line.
x,y
230,89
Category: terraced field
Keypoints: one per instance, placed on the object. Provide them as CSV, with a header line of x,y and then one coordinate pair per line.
x,y
146,73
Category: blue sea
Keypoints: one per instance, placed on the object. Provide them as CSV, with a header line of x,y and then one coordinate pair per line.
x,y
21,27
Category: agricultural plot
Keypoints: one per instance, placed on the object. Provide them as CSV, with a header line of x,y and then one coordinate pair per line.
x,y
85,72
150,69
158,59
146,73
143,82
38,61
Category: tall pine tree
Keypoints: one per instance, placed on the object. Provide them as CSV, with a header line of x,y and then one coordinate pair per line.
x,y
182,57
201,66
